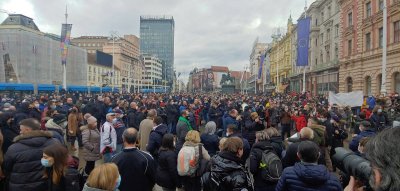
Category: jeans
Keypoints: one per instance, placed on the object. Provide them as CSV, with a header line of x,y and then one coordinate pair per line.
x,y
285,129
172,128
107,157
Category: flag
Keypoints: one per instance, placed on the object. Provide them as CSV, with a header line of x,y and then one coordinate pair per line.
x,y
261,67
65,41
303,35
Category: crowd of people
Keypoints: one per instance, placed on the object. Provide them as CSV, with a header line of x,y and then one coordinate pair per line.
x,y
194,142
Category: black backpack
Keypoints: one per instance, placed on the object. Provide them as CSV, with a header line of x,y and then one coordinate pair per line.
x,y
271,166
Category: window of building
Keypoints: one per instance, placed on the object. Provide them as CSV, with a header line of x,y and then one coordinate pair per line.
x,y
336,51
321,57
328,34
368,41
337,30
396,33
349,47
322,16
328,53
380,5
316,61
350,19
329,11
380,37
368,86
368,9
322,38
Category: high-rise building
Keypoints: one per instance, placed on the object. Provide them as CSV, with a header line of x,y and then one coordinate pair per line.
x,y
157,38
152,78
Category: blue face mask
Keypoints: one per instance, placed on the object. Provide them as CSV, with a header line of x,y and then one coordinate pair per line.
x,y
118,182
45,163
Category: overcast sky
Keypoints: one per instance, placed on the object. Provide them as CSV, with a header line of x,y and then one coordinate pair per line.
x,y
207,32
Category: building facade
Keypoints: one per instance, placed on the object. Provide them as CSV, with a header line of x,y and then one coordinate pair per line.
x,y
29,55
281,58
157,38
99,71
255,84
126,58
152,78
361,46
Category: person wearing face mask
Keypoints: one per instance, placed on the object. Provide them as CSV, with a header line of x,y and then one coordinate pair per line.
x,y
379,119
108,141
366,130
59,176
22,160
57,126
98,182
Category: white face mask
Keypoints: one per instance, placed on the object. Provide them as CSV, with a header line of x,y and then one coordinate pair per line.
x,y
227,134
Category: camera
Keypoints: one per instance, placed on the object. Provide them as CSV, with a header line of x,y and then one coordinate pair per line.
x,y
352,164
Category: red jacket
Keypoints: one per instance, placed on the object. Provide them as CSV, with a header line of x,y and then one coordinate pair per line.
x,y
300,121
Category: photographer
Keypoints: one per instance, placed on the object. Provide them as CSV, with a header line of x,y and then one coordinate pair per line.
x,y
383,153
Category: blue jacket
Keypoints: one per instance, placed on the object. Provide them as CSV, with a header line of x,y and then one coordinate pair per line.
x,y
308,177
353,145
211,143
155,140
229,120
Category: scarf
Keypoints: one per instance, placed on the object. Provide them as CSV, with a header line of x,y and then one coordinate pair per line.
x,y
186,121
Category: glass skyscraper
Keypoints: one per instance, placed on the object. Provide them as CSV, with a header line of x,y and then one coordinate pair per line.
x,y
157,38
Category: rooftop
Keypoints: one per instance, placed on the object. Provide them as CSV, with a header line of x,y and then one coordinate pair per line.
x,y
22,20
219,69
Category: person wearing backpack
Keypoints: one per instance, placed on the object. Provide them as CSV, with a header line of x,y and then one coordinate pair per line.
x,y
59,176
190,163
227,171
308,174
265,164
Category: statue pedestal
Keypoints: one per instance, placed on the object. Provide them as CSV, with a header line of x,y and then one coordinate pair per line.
x,y
228,88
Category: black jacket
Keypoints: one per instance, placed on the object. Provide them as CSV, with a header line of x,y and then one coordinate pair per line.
x,y
22,161
277,143
172,113
167,175
213,114
139,174
227,173
131,118
255,158
211,143
155,139
291,158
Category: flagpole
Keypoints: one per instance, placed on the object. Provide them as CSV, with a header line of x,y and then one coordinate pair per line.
x,y
384,49
64,64
304,69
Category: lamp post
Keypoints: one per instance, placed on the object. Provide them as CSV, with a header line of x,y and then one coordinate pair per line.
x,y
384,49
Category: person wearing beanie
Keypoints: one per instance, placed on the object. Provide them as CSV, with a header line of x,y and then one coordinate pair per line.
x,y
209,139
91,143
57,127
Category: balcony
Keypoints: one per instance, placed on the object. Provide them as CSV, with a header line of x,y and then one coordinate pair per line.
x,y
326,65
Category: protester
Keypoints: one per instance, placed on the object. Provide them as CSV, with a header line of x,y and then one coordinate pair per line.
x,y
97,181
227,171
276,141
119,127
209,139
74,120
139,174
167,175
57,173
91,143
156,136
22,160
366,131
307,174
182,127
57,127
146,126
108,138
233,131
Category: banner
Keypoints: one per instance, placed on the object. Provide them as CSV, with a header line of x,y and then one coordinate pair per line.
x,y
352,99
303,35
65,41
261,66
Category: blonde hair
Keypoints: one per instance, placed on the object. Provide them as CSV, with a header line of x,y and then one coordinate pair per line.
x,y
104,177
193,136
221,143
307,133
262,136
272,132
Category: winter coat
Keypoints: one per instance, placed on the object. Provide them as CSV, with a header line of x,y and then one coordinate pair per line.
x,y
144,133
9,133
278,145
155,140
74,120
308,177
167,175
172,113
255,159
119,127
213,114
137,175
131,119
246,146
35,113
22,161
181,130
353,145
320,135
68,182
210,143
291,157
108,137
285,118
300,122
228,120
338,137
379,121
250,129
57,130
91,143
227,174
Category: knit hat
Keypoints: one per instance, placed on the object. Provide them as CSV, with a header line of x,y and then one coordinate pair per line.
x,y
91,120
59,118
254,115
86,116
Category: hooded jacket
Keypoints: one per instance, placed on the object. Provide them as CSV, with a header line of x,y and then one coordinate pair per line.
x,y
255,159
227,173
22,161
155,139
308,177
91,143
57,130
